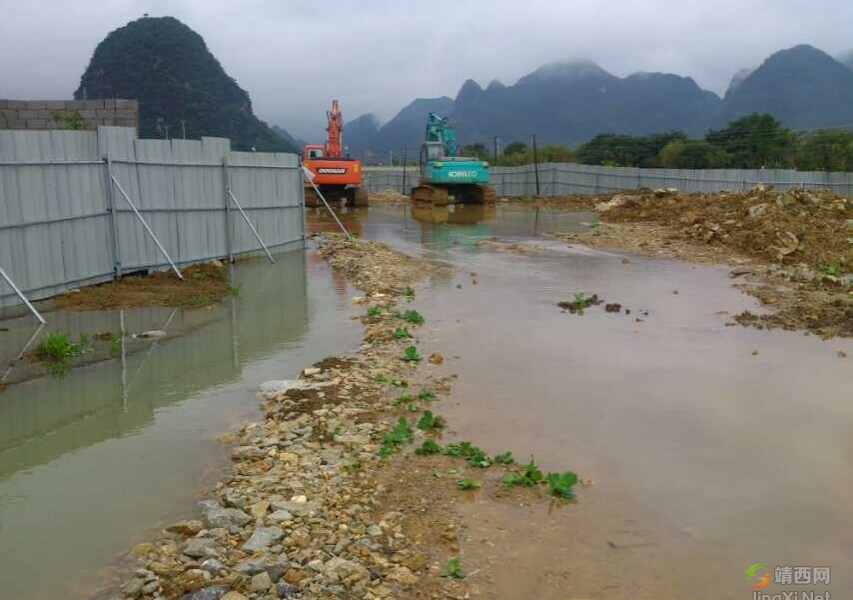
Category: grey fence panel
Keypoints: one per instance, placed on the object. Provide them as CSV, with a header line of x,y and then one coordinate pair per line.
x,y
56,228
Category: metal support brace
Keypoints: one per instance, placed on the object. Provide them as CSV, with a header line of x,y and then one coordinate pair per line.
x,y
226,175
23,298
252,227
147,228
113,225
310,177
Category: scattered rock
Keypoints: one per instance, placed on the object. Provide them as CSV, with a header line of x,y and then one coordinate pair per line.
x,y
436,358
613,307
262,538
186,528
197,547
260,582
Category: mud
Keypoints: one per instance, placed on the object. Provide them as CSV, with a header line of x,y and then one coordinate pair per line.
x,y
203,285
793,251
494,243
388,197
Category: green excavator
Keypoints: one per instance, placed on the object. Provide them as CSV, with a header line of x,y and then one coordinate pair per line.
x,y
446,177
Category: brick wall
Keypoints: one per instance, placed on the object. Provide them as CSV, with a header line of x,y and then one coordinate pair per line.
x,y
54,114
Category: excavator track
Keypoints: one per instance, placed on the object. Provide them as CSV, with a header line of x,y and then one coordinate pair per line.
x,y
428,194
360,197
311,198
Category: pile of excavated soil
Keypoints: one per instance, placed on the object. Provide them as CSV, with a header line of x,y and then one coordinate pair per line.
x,y
388,197
814,227
793,249
203,284
373,266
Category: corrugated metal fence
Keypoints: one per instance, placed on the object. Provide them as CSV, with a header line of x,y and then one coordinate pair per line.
x,y
62,223
556,179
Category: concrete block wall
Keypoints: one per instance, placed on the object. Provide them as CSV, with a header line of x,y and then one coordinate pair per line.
x,y
51,114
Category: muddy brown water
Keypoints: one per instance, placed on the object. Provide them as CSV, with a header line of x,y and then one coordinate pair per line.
x,y
103,458
706,458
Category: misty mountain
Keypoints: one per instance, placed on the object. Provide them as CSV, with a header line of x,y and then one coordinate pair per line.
x,y
802,86
358,132
167,67
571,102
282,132
846,58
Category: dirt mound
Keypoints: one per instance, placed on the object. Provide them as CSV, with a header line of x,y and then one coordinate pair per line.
x,y
203,284
388,197
797,226
373,266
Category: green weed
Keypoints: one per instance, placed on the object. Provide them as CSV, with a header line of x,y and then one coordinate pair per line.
x,y
401,333
410,316
399,435
404,397
410,354
429,447
832,270
373,311
468,484
351,466
430,421
453,569
505,458
234,290
409,292
380,378
474,455
529,476
56,349
354,235
561,484
426,395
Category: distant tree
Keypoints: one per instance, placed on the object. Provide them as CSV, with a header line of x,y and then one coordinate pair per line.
x,y
756,141
692,154
826,150
626,150
477,150
515,148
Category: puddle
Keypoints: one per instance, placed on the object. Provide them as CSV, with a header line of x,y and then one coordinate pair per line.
x,y
99,460
706,458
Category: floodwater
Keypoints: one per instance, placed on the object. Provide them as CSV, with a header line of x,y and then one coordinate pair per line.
x,y
712,448
706,457
101,459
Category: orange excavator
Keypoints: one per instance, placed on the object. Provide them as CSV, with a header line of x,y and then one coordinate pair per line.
x,y
338,177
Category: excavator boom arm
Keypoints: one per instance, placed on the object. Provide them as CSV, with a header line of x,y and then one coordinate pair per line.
x,y
334,145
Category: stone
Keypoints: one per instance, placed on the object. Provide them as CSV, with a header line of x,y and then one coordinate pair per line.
x,y
133,589
211,565
227,438
260,582
154,333
310,371
338,569
374,531
197,547
403,576
286,590
263,537
144,549
436,358
226,517
234,596
280,516
259,509
213,592
252,566
296,508
186,528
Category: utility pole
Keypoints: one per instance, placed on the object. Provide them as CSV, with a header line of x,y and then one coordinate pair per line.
x,y
536,164
405,159
390,158
167,132
184,128
496,148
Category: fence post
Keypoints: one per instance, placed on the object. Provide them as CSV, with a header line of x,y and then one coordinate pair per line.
x,y
595,184
536,164
111,207
226,182
302,199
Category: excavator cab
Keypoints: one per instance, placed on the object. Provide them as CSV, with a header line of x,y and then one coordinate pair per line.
x,y
313,151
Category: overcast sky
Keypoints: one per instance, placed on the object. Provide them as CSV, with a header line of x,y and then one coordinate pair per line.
x,y
377,55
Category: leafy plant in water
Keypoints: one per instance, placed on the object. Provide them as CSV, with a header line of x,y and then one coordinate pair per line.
x,y
505,458
560,484
380,378
474,455
468,484
410,354
429,447
832,270
354,235
430,421
399,435
452,569
411,316
529,476
426,395
405,396
115,346
56,349
401,333
409,292
234,290
373,311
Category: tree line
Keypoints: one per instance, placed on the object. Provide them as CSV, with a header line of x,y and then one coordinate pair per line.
x,y
752,142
